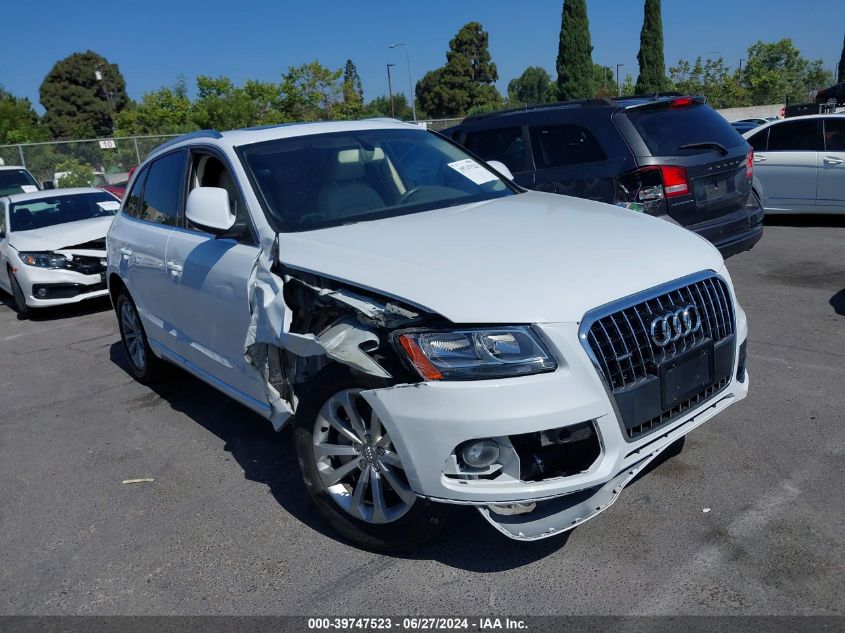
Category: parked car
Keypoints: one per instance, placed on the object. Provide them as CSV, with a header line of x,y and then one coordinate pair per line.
x,y
52,246
435,334
758,120
800,164
15,179
669,156
743,126
833,93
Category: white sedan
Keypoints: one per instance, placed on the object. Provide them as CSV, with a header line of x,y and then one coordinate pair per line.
x,y
53,246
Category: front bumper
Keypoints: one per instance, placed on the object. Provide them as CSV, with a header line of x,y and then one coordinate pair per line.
x,y
61,286
427,421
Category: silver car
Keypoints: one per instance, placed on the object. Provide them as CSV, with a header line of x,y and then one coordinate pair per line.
x,y
799,164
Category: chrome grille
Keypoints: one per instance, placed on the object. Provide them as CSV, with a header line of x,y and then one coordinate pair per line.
x,y
622,343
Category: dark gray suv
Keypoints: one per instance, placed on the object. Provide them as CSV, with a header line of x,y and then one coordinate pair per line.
x,y
670,156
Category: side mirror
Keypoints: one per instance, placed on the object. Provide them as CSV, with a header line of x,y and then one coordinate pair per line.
x,y
48,184
501,168
208,209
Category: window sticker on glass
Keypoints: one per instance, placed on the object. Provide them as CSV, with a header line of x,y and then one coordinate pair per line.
x,y
472,170
109,205
29,188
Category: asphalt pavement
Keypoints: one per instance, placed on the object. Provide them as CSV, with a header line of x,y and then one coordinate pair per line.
x,y
747,520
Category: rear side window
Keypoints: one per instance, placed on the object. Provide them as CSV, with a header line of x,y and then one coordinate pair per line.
x,y
561,145
834,135
132,206
665,130
163,190
506,145
795,136
760,140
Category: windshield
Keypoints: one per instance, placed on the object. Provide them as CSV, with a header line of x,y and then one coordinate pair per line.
x,y
665,130
36,214
317,181
14,181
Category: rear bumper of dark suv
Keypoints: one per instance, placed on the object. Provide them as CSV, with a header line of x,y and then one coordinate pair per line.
x,y
736,232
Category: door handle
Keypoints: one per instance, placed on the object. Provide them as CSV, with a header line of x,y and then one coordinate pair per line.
x,y
174,267
760,159
831,160
125,251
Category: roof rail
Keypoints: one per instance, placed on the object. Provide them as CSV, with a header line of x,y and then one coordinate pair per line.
x,y
188,137
542,106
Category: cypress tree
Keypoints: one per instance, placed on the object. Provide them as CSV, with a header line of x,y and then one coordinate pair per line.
x,y
841,74
575,53
652,67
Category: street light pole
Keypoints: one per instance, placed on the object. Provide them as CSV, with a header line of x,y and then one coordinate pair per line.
x,y
98,75
618,89
410,80
390,91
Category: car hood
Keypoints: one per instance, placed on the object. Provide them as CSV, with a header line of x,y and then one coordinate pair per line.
x,y
61,236
528,258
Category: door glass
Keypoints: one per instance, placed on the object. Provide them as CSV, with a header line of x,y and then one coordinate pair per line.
x,y
795,136
164,189
506,145
132,206
560,145
834,135
758,141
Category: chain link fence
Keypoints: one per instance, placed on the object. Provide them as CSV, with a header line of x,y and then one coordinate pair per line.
x,y
108,159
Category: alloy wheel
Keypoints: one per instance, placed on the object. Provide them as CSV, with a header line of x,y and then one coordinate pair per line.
x,y
132,335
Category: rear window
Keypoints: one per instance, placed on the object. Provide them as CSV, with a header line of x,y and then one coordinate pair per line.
x,y
665,130
506,145
16,181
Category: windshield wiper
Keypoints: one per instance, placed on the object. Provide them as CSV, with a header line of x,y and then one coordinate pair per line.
x,y
707,145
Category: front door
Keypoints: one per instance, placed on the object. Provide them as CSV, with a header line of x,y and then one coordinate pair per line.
x,y
831,166
787,168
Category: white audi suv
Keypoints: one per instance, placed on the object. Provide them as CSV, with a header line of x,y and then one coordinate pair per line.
x,y
435,334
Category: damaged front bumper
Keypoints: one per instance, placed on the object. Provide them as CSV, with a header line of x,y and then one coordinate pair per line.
x,y
428,421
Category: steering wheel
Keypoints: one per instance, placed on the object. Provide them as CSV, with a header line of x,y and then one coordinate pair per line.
x,y
409,194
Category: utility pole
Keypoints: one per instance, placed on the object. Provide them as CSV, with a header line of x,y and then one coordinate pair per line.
x,y
410,81
390,91
741,59
618,88
99,77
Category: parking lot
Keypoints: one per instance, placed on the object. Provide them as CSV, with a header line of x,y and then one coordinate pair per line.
x,y
747,520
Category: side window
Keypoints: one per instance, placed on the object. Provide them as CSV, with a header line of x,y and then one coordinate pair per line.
x,y
132,206
209,171
506,145
834,135
760,140
2,221
795,136
560,145
163,190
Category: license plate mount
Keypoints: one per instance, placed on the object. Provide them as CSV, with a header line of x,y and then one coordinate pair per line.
x,y
687,375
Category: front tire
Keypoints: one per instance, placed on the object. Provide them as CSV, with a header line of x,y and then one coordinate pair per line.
x,y
352,471
24,311
143,364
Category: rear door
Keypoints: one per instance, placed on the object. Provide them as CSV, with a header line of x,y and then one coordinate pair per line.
x,y
831,167
788,168
693,136
4,247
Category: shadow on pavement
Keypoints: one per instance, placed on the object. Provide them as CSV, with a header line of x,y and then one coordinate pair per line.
x,y
467,542
83,308
838,302
806,219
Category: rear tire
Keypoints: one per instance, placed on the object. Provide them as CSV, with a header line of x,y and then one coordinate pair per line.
x,y
380,513
24,311
143,364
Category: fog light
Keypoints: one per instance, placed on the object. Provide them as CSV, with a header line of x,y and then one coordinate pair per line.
x,y
480,453
41,293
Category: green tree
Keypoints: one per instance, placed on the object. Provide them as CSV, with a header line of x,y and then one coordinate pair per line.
x,y
711,79
18,121
840,74
77,103
574,53
776,72
604,81
465,81
531,87
628,87
75,173
311,92
353,91
380,107
652,76
163,111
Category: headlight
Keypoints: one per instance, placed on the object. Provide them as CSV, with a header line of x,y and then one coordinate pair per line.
x,y
476,353
44,260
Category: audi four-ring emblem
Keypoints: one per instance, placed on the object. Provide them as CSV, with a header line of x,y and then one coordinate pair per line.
x,y
674,325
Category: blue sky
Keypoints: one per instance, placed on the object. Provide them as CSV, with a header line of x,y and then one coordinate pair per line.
x,y
156,41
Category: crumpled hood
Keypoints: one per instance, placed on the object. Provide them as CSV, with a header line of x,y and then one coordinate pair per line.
x,y
528,258
61,236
